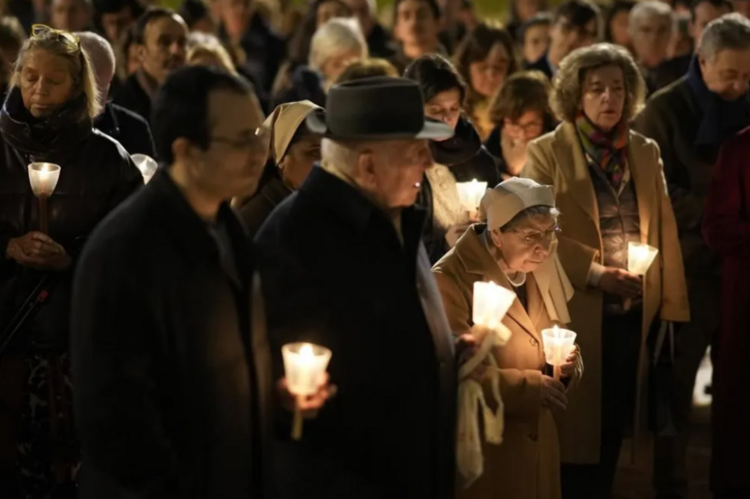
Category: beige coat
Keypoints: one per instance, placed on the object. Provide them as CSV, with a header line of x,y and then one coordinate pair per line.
x,y
527,464
557,159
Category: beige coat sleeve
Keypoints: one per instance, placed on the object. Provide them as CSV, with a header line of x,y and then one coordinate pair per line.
x,y
576,257
674,301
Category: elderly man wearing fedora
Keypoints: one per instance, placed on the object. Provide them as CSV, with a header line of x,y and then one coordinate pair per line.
x,y
343,266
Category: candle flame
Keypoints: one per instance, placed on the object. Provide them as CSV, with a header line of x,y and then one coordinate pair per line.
x,y
307,351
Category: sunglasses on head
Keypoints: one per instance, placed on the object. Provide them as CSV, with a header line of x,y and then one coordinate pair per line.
x,y
40,30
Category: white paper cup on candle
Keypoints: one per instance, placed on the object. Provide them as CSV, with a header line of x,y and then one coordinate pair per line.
x,y
491,303
558,344
43,178
146,164
640,257
305,366
470,194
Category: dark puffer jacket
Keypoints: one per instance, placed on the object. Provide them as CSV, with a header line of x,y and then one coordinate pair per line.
x,y
96,175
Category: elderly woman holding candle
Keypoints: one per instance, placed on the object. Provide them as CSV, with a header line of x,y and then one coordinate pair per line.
x,y
515,248
609,183
47,118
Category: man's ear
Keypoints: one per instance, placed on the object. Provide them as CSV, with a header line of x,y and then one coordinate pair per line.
x,y
183,150
140,52
366,167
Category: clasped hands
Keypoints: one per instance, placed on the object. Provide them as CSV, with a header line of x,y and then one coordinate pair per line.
x,y
38,251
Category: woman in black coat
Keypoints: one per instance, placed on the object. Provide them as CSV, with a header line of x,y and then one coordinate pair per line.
x,y
47,117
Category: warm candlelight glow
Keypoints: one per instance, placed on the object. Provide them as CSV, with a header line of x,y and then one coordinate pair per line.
x,y
305,366
43,178
640,257
146,165
491,303
470,194
558,344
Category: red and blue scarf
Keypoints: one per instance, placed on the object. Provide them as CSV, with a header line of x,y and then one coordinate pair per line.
x,y
607,150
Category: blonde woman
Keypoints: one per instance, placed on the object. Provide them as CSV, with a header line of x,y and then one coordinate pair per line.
x,y
609,183
47,117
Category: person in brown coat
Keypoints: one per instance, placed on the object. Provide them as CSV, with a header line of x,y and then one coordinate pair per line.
x,y
515,249
610,186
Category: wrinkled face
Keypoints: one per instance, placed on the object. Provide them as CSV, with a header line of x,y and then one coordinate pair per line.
x,y
164,47
619,28
603,96
651,40
115,24
445,107
236,155
527,245
235,15
46,83
70,15
728,73
535,42
415,23
488,76
300,159
329,10
334,66
392,171
704,14
361,9
526,9
526,128
565,37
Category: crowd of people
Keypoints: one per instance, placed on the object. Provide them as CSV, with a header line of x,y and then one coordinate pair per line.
x,y
308,191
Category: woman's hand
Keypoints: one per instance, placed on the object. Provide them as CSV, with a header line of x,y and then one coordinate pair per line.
x,y
38,251
571,364
620,282
553,394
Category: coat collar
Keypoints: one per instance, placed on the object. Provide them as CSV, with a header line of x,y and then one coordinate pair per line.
x,y
107,122
567,150
477,260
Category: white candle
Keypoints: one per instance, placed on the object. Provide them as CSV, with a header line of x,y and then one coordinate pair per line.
x,y
470,194
640,257
558,344
43,178
304,366
146,165
491,303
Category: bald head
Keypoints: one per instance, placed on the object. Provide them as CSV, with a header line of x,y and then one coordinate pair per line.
x,y
102,58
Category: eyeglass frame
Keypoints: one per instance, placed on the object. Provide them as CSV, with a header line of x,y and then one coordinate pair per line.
x,y
531,241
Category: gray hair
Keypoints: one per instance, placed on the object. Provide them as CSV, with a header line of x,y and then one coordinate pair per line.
x,y
337,36
650,8
729,32
99,50
530,212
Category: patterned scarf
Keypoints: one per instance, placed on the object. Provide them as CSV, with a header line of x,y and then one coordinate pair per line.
x,y
608,151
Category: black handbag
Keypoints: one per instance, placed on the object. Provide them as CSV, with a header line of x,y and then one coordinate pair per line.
x,y
662,380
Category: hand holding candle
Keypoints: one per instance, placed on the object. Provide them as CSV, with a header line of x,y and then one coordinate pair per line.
x,y
305,368
558,344
470,194
640,258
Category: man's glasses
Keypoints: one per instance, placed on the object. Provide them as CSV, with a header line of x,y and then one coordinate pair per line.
x,y
42,30
260,142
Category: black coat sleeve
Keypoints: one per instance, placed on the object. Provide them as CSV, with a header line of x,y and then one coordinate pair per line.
x,y
115,350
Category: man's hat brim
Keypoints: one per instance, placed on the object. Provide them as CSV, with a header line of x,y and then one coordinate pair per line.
x,y
432,130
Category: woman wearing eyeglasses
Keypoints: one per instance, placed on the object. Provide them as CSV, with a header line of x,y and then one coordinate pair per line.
x,y
514,248
47,117
609,183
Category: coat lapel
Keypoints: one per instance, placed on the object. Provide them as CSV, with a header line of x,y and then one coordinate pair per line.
x,y
641,180
568,151
478,261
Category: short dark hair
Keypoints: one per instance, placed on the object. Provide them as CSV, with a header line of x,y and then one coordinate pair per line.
x,y
181,106
193,11
432,4
540,19
102,7
614,9
435,74
522,92
151,15
578,12
367,68
717,4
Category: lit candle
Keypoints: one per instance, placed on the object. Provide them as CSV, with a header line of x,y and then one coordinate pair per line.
x,y
305,367
491,303
43,178
146,165
640,258
470,194
558,344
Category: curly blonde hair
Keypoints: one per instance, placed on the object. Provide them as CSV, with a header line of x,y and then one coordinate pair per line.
x,y
81,70
568,82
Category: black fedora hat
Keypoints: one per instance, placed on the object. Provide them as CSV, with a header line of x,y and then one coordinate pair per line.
x,y
379,108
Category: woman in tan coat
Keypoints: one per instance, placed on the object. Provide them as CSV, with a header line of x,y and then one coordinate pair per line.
x,y
610,186
515,249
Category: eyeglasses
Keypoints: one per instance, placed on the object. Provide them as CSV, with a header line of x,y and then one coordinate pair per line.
x,y
532,239
69,39
260,142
